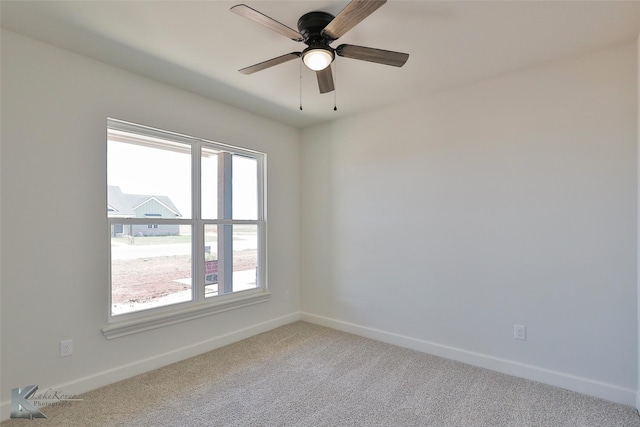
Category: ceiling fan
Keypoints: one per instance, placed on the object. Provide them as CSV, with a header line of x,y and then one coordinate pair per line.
x,y
318,30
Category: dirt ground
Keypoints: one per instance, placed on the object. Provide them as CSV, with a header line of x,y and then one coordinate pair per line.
x,y
146,279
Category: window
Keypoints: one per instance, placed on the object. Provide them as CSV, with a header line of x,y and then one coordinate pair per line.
x,y
186,223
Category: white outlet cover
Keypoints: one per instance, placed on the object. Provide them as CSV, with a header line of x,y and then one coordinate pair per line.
x,y
66,348
520,332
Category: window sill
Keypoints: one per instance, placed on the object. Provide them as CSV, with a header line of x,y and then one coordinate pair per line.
x,y
133,326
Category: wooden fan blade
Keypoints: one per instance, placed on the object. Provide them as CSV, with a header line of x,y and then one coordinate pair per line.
x,y
270,63
386,57
262,19
350,16
325,80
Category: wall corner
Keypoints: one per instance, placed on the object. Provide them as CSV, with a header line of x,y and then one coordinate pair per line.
x,y
638,215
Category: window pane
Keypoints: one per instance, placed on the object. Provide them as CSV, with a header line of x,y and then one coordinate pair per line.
x,y
147,177
245,257
210,260
209,183
245,187
150,266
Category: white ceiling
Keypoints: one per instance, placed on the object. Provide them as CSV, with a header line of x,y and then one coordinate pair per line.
x,y
200,45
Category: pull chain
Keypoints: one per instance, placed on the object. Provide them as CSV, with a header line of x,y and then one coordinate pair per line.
x,y
300,85
335,89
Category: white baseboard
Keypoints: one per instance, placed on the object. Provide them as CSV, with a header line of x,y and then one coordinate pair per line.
x,y
100,379
586,386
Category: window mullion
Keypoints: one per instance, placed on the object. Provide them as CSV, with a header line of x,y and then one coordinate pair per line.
x,y
197,228
225,231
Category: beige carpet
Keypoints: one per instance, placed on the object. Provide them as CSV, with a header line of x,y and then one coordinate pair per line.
x,y
306,375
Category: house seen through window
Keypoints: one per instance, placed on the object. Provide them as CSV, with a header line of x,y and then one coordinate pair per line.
x,y
186,219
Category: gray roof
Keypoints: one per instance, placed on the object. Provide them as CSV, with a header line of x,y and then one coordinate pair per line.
x,y
121,204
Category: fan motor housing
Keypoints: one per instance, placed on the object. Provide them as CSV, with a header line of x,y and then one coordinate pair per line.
x,y
311,25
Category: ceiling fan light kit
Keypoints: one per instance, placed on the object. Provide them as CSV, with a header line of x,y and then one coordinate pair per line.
x,y
318,30
317,58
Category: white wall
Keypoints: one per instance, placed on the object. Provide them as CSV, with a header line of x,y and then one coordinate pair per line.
x,y
54,227
440,222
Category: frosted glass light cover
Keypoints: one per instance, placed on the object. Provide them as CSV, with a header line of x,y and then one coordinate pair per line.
x,y
317,59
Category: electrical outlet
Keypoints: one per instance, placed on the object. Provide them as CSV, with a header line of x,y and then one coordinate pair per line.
x,y
520,332
66,348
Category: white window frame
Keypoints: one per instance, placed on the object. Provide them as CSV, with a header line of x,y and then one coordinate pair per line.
x,y
199,305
